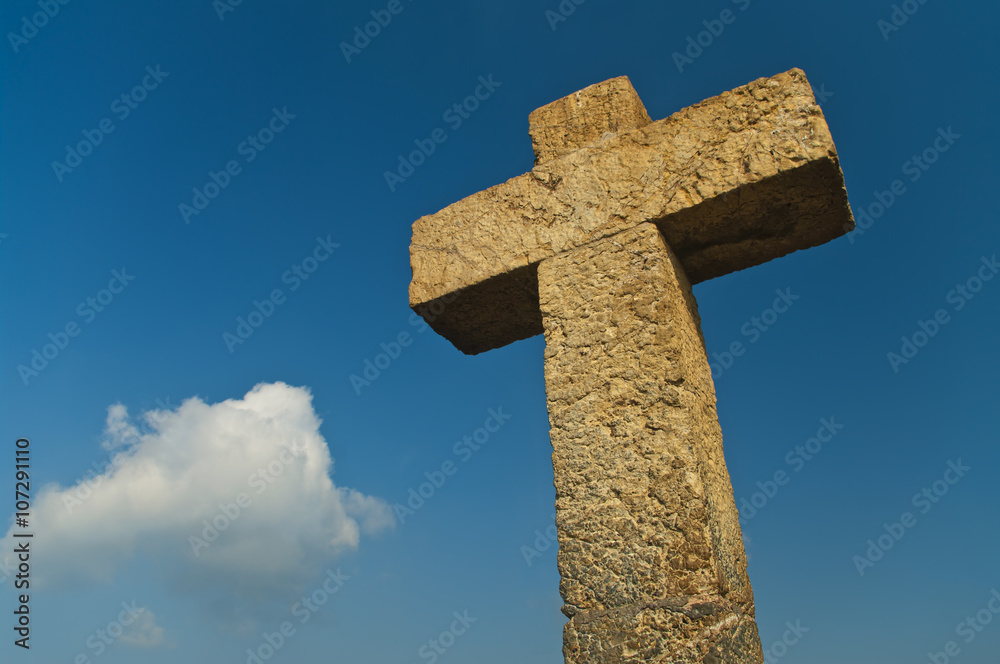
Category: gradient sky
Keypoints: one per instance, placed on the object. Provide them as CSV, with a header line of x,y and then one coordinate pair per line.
x,y
220,77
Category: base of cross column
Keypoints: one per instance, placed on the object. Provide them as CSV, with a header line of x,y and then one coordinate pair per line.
x,y
697,629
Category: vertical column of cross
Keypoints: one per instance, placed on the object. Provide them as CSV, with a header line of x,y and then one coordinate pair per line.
x,y
650,555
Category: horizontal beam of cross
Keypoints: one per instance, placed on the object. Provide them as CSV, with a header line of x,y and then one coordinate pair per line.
x,y
732,182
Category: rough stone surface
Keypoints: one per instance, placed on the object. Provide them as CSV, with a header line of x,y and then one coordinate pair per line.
x,y
583,118
598,247
732,182
650,553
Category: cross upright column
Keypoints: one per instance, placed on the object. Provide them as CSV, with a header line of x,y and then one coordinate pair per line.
x,y
650,553
651,559
597,247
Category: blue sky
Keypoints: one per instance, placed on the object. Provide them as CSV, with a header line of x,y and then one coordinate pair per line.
x,y
307,211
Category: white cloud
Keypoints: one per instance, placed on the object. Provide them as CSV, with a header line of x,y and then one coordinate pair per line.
x,y
193,465
144,632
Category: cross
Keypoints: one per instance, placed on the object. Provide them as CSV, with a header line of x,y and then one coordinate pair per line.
x,y
597,247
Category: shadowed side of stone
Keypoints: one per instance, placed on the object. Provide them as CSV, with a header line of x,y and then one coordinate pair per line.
x,y
461,318
650,555
749,226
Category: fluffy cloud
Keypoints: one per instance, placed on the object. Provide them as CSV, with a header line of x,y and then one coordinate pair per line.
x,y
234,496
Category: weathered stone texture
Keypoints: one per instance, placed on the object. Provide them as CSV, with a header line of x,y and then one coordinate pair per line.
x,y
650,554
584,117
732,182
598,247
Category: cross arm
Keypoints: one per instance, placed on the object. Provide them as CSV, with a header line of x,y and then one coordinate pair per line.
x,y
732,182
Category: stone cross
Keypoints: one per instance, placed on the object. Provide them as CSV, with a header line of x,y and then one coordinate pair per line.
x,y
597,247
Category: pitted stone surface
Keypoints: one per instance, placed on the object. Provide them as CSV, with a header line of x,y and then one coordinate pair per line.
x,y
585,117
598,247
733,182
689,630
645,512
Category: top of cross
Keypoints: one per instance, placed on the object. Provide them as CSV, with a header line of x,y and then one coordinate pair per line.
x,y
584,118
732,182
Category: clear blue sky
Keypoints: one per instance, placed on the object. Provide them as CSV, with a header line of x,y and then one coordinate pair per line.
x,y
215,78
